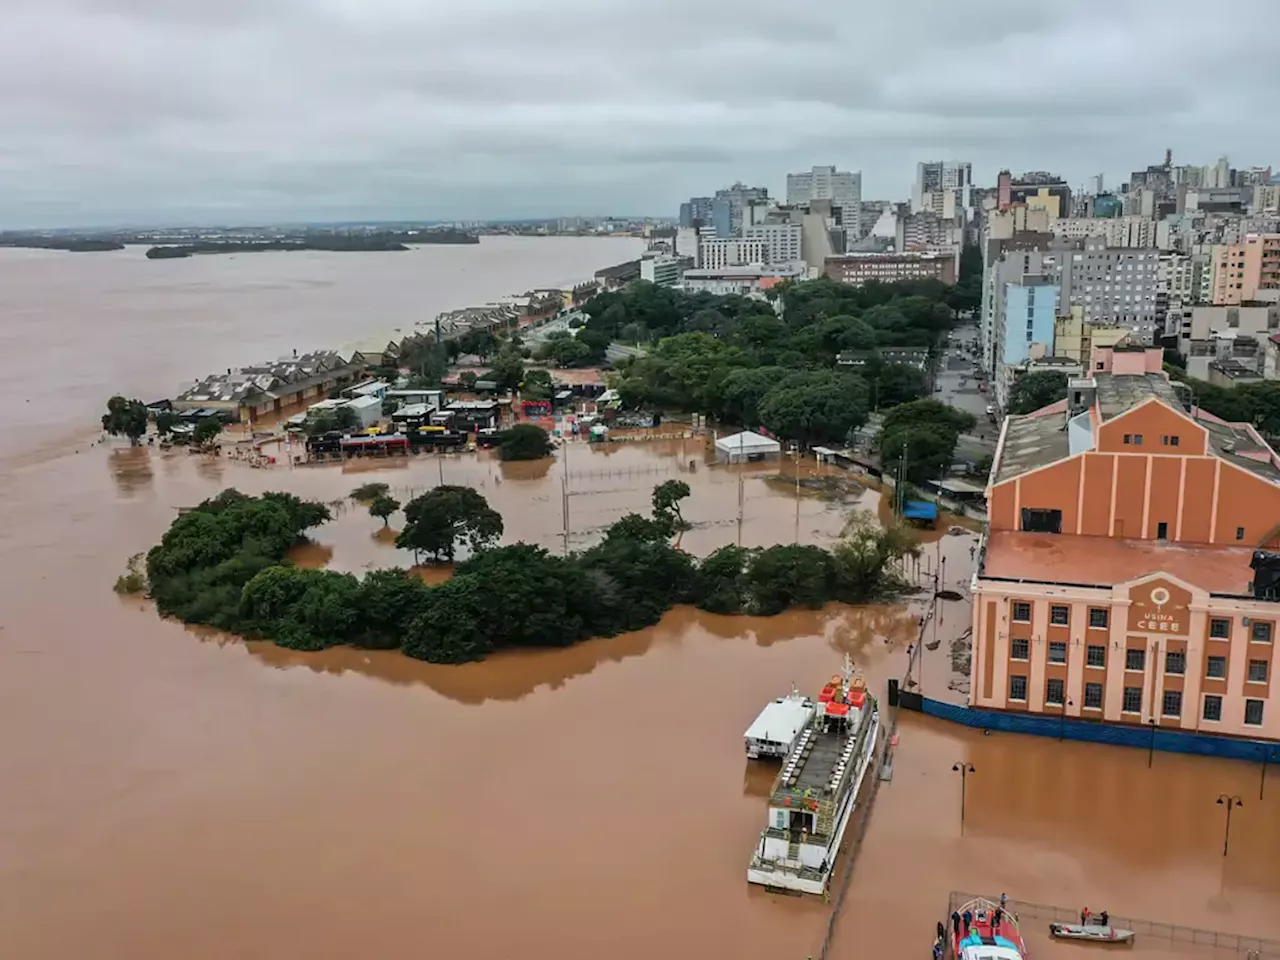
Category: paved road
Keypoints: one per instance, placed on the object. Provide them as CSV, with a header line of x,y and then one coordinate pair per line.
x,y
959,389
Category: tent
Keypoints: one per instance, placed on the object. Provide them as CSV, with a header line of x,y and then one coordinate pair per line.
x,y
747,446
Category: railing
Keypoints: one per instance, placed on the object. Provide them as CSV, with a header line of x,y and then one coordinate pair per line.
x,y
1239,944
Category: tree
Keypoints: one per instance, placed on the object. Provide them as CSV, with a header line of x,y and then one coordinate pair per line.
x,y
382,507
330,420
596,342
507,369
565,351
818,407
537,385
1035,390
743,391
925,432
438,520
166,420
468,379
206,431
722,584
388,602
524,441
482,343
368,492
632,526
784,576
896,383
863,556
125,418
666,504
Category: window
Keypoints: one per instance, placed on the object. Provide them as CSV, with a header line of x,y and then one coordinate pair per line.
x,y
1175,661
1041,521
1137,439
1132,700
1059,616
1216,668
1171,703
1253,713
1093,696
1220,629
1239,533
1096,655
1212,707
1018,650
1260,631
1055,692
1135,659
1098,618
1128,437
1257,671
1162,531
1168,441
1057,652
1021,611
1017,688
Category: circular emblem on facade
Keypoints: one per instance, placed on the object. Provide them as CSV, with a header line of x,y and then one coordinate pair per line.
x,y
1159,596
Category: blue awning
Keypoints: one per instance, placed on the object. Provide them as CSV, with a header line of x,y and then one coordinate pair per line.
x,y
920,510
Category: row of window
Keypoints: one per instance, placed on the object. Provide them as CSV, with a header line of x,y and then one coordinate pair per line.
x,y
1166,440
1135,658
1170,705
1060,616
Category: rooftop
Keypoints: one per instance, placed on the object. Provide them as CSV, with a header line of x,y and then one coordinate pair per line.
x,y
1104,561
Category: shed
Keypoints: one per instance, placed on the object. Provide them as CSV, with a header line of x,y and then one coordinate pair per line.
x,y
747,445
920,511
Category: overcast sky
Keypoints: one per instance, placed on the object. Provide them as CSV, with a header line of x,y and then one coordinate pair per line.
x,y
129,111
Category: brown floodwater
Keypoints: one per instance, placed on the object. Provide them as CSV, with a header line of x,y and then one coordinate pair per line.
x,y
169,792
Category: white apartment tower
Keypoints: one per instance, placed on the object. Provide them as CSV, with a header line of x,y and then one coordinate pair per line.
x,y
944,176
716,253
841,187
782,241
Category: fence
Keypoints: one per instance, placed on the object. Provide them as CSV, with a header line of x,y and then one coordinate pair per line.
x,y
1238,944
1068,728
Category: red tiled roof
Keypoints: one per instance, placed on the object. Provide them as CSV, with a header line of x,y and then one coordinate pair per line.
x,y
1104,561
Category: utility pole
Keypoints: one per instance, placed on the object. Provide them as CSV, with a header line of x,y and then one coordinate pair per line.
x,y
797,536
740,499
964,769
1229,803
564,498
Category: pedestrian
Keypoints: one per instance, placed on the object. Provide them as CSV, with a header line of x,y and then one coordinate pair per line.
x,y
1004,901
967,917
995,919
1104,919
955,923
942,932
1084,917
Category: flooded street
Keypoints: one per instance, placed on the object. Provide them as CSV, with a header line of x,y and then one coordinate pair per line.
x,y
177,793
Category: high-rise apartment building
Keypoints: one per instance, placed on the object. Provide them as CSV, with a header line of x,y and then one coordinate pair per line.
x,y
1115,285
841,187
782,241
953,177
729,204
696,212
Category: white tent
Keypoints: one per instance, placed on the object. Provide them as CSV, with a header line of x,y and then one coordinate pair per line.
x,y
747,446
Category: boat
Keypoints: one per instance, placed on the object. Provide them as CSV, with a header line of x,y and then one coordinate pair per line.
x,y
1091,931
985,939
775,731
815,793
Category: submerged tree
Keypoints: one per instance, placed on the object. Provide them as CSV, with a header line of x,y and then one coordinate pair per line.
x,y
383,506
666,503
440,519
126,418
524,441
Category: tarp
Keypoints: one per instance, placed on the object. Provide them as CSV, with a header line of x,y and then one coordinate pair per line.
x,y
747,444
920,510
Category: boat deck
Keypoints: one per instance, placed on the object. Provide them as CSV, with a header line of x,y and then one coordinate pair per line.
x,y
818,762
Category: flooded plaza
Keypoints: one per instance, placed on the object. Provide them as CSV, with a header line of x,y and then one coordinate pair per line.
x,y
170,792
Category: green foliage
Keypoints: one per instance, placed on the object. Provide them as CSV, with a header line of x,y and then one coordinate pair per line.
x,y
666,503
725,355
368,492
482,343
166,420
1255,403
134,579
1036,390
440,519
206,431
223,564
524,441
820,406
508,368
126,418
565,351
537,385
383,506
333,419
926,432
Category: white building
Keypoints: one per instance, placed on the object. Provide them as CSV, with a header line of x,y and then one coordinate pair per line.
x,y
1131,231
955,177
745,446
718,252
742,281
782,240
660,269
824,183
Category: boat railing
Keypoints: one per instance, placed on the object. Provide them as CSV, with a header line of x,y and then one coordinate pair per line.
x,y
1236,943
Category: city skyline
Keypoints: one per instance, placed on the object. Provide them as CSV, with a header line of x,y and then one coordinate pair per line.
x,y
384,111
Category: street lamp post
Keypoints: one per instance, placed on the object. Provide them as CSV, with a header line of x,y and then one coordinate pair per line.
x,y
1151,750
964,769
1229,803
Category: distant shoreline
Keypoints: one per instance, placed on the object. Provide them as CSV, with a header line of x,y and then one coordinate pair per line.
x,y
330,243
69,244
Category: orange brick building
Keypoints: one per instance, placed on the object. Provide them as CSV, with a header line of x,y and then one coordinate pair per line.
x,y
1117,580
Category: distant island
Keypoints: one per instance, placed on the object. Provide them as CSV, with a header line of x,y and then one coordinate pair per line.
x,y
71,244
333,242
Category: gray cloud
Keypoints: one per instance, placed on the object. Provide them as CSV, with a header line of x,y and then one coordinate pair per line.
x,y
175,110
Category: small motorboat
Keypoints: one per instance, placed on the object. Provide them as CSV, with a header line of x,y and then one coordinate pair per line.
x,y
1092,931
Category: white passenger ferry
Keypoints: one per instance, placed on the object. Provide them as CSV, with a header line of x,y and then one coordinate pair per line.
x,y
816,792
